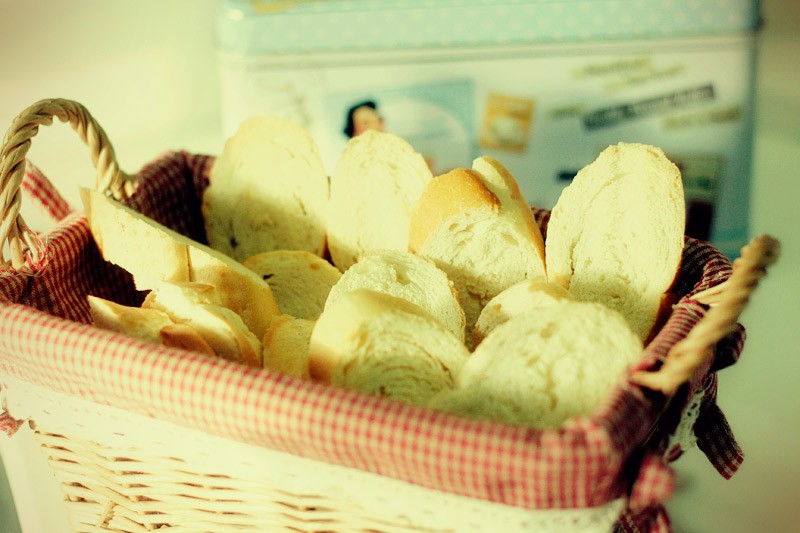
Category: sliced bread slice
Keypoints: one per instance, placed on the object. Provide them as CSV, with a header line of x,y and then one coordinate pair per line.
x,y
383,345
408,276
267,191
373,190
475,225
300,280
616,234
545,366
286,345
145,324
148,324
191,304
153,253
185,337
524,296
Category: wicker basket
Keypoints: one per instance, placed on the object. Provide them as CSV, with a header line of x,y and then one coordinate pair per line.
x,y
144,437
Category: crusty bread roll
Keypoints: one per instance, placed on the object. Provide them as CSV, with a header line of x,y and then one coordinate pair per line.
x,y
545,366
267,191
615,235
148,324
300,280
524,296
477,227
383,345
153,252
373,189
286,345
410,277
191,304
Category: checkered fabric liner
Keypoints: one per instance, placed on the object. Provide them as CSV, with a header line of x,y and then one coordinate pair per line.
x,y
46,338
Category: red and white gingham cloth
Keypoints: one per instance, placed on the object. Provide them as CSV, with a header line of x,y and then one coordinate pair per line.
x,y
45,338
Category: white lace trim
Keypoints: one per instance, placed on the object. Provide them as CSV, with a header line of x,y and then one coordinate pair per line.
x,y
684,435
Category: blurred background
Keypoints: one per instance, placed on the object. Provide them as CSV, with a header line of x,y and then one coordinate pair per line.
x,y
712,82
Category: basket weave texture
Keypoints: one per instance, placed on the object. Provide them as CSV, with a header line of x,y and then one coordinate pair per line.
x,y
619,451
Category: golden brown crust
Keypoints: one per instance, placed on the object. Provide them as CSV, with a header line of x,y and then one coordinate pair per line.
x,y
322,364
246,294
134,321
517,197
447,195
186,338
248,355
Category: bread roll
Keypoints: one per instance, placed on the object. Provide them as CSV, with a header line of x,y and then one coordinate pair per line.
x,y
410,277
191,304
616,234
153,253
374,187
267,191
524,296
300,280
477,227
545,366
286,345
383,345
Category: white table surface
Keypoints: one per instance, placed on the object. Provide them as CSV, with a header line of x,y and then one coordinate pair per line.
x,y
147,72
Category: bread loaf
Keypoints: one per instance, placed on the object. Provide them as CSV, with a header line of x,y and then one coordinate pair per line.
x,y
373,189
410,277
267,191
616,234
300,280
476,226
286,345
545,366
524,296
383,345
153,253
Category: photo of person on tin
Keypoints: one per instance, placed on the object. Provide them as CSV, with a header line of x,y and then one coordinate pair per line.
x,y
361,117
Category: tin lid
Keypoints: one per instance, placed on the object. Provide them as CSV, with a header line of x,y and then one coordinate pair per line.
x,y
308,26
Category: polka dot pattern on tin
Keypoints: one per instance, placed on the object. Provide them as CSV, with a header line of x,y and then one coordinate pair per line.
x,y
260,26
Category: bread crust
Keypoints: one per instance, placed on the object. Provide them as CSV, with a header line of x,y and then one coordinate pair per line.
x,y
141,323
475,225
522,207
186,338
458,191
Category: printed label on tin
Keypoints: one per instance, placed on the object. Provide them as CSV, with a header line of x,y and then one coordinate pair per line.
x,y
507,123
611,116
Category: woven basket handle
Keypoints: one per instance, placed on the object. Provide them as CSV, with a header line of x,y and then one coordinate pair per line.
x,y
16,143
727,301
